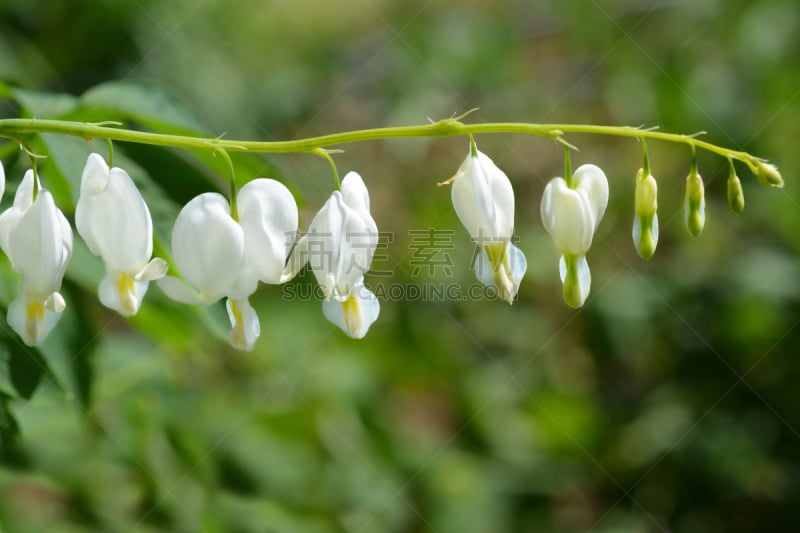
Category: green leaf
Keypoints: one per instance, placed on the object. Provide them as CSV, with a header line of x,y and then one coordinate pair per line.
x,y
5,90
44,105
25,367
67,350
153,107
150,105
64,357
9,429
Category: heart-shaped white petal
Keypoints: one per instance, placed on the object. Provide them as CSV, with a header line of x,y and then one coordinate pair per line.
x,y
41,245
483,199
567,217
341,241
116,224
113,219
591,181
355,195
208,246
484,202
268,216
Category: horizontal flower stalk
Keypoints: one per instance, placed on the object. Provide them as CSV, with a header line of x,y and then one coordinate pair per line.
x,y
16,128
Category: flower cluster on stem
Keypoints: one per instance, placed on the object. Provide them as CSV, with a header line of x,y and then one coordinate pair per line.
x,y
222,256
224,247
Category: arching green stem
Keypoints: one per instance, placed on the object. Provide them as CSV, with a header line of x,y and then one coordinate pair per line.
x,y
326,154
34,157
15,128
110,152
231,182
567,166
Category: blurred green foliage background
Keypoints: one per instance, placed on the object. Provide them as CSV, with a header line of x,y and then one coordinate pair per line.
x,y
668,403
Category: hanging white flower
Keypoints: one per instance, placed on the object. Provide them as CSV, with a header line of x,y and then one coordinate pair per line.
x,y
37,239
114,221
339,247
570,215
220,256
484,202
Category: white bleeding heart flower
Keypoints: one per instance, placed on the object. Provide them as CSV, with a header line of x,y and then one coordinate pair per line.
x,y
37,239
571,214
484,202
339,247
220,256
114,221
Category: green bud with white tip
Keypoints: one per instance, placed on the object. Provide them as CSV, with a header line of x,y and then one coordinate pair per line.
x,y
695,202
576,277
645,223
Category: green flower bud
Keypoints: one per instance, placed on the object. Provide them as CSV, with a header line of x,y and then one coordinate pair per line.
x,y
768,175
735,194
645,223
695,203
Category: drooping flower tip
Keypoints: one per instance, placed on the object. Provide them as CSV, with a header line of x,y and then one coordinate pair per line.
x,y
576,278
356,314
501,266
245,328
645,236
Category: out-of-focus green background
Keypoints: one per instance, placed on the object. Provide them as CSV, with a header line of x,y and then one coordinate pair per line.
x,y
668,403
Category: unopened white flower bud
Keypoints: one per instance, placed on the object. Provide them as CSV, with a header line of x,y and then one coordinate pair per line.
x,y
695,203
645,222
